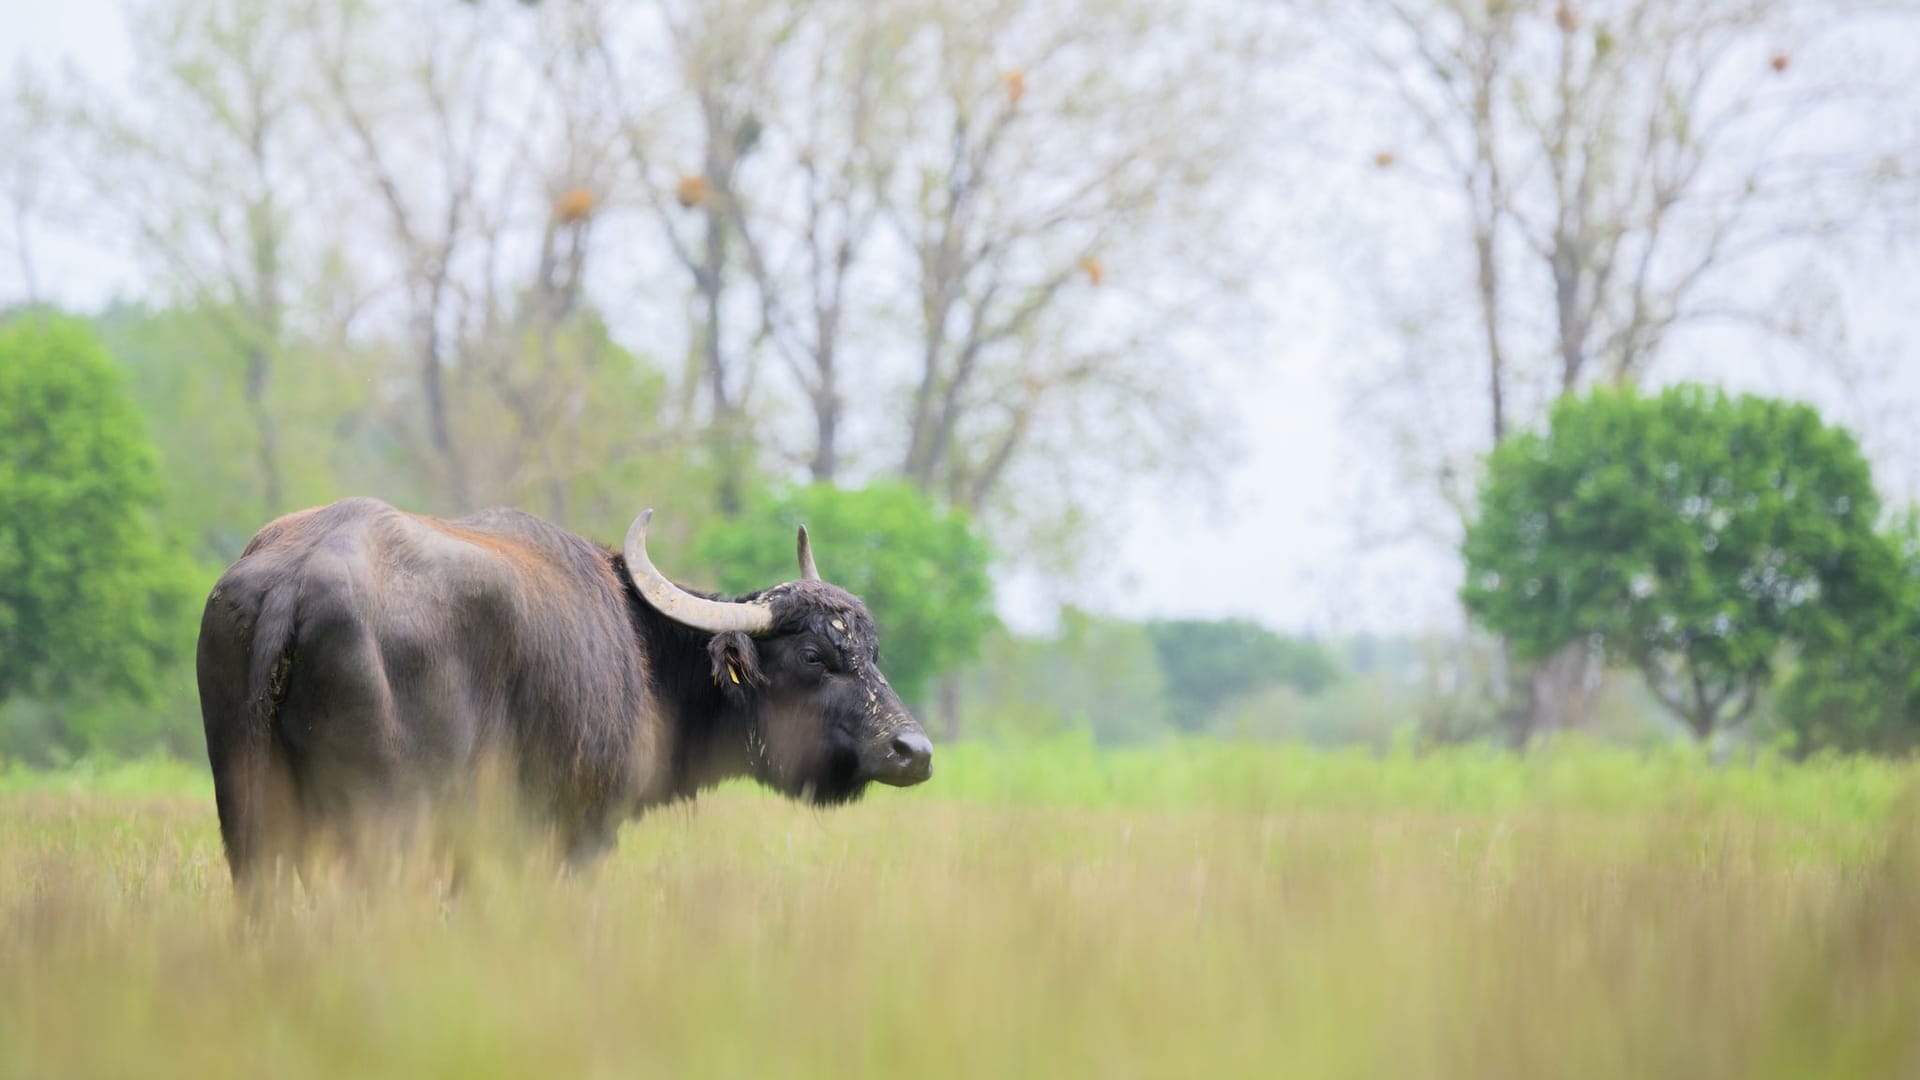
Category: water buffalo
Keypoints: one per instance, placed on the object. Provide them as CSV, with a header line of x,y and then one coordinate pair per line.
x,y
358,660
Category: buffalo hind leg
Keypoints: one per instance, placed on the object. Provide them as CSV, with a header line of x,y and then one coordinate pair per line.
x,y
253,785
259,823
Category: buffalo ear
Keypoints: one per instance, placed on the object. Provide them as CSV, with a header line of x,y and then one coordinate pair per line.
x,y
736,663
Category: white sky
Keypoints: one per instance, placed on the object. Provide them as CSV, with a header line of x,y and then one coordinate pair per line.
x,y
1278,542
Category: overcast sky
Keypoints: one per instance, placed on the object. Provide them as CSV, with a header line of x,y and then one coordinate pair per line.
x,y
1278,543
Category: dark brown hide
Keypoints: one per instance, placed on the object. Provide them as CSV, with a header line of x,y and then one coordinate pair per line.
x,y
358,662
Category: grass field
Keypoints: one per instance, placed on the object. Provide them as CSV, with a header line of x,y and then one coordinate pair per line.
x,y
1207,909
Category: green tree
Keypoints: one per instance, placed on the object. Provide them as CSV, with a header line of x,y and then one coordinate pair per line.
x,y
92,596
1210,663
1694,535
1860,690
187,377
922,571
1096,674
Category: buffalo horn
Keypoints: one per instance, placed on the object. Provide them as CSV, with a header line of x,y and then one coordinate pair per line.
x,y
713,616
808,571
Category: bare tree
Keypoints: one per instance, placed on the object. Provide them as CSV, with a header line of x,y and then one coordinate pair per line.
x,y
809,222
1614,171
687,150
421,102
531,344
973,199
1056,209
26,128
482,151
1048,180
201,165
975,210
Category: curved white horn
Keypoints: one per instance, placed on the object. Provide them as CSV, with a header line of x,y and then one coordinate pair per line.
x,y
676,603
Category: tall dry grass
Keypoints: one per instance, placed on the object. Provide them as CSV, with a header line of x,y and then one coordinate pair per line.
x,y
1581,922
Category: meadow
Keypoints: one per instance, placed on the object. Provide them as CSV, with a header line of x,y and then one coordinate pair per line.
x,y
1192,910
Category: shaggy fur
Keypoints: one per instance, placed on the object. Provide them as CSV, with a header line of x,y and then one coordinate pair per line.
x,y
358,660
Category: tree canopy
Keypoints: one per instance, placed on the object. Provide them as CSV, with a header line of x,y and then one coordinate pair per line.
x,y
1692,534
1860,688
1209,663
91,591
1095,674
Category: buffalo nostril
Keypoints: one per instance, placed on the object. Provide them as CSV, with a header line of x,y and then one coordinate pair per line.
x,y
912,754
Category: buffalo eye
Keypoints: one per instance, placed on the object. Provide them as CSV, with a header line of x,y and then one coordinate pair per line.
x,y
811,657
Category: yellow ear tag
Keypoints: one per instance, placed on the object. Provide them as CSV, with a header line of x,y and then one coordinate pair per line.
x,y
733,673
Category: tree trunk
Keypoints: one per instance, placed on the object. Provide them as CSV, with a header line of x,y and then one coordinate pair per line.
x,y
1564,690
1703,713
433,388
1572,328
258,364
949,706
1554,695
1489,281
724,435
24,252
1517,715
917,467
826,418
263,335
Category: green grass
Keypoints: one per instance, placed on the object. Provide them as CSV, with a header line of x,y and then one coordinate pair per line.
x,y
157,775
1200,909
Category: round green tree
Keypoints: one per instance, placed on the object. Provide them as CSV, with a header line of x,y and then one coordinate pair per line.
x,y
1694,535
90,594
1209,663
922,571
1860,688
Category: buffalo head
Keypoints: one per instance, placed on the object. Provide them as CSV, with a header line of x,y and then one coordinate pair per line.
x,y
800,665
